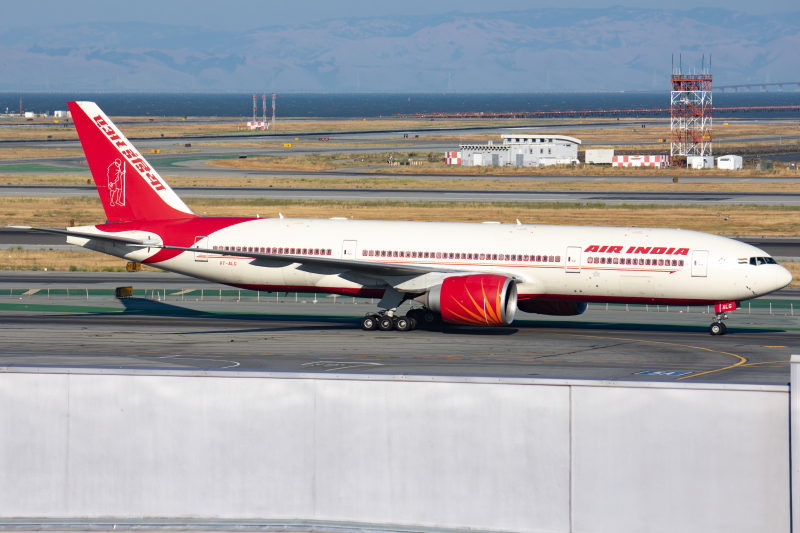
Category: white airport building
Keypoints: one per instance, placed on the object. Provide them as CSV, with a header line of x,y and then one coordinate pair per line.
x,y
730,162
522,150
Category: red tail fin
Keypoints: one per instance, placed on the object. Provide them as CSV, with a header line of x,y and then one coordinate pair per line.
x,y
129,187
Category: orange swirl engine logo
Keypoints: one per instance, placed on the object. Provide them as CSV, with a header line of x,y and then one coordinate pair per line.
x,y
477,300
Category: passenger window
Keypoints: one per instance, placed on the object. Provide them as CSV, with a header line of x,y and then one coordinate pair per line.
x,y
383,253
451,256
329,251
647,261
590,260
494,257
526,258
413,254
426,255
616,261
680,262
394,254
660,262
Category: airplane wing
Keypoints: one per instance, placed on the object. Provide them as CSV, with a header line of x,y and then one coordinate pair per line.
x,y
366,268
102,237
369,268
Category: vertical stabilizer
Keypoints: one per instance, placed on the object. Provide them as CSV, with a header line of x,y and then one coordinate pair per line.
x,y
129,187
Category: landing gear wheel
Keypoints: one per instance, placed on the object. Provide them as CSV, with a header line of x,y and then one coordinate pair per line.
x,y
724,328
385,323
402,324
369,323
413,322
717,328
430,318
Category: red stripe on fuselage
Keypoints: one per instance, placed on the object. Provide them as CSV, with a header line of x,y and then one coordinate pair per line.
x,y
177,232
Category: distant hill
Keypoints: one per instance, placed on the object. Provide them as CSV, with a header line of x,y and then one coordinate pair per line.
x,y
535,50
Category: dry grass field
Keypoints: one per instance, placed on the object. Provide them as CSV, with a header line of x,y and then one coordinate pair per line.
x,y
744,220
13,258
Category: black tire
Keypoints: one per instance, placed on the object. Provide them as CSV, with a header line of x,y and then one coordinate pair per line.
x,y
413,322
386,323
429,318
369,323
724,328
716,328
402,323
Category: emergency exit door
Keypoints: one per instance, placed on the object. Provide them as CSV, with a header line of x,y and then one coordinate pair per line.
x,y
574,259
201,242
349,249
700,263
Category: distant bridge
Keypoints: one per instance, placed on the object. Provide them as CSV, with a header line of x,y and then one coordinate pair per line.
x,y
596,113
762,86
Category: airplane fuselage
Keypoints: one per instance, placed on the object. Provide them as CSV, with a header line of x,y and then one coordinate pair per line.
x,y
584,264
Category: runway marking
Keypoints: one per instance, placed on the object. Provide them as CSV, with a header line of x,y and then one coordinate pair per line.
x,y
748,179
767,363
742,360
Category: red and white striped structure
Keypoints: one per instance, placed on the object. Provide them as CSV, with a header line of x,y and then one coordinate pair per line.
x,y
258,125
453,158
657,161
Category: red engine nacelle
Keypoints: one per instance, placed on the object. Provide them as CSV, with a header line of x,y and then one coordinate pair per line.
x,y
476,300
552,307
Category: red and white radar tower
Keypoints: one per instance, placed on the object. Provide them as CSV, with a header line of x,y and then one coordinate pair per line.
x,y
690,114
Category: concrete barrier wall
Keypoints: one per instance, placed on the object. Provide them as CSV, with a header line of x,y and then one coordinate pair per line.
x,y
480,453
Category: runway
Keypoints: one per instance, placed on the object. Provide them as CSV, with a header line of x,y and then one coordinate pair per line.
x,y
613,345
437,195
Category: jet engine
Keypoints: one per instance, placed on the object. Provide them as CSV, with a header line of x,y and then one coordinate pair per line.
x,y
552,307
475,300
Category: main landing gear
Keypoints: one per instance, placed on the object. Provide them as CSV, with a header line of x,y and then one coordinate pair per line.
x,y
718,327
384,321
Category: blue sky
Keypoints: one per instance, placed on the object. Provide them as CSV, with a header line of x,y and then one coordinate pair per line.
x,y
248,14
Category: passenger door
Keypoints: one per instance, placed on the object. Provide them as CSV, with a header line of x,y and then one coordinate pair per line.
x,y
700,263
201,242
573,259
349,249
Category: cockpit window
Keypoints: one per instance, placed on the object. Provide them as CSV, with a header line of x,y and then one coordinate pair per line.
x,y
755,261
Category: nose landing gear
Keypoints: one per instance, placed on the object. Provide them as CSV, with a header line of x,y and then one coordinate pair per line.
x,y
718,327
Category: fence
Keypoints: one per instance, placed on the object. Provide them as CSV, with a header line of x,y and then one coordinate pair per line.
x,y
395,452
180,295
752,307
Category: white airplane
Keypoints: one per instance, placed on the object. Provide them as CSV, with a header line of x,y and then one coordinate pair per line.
x,y
469,274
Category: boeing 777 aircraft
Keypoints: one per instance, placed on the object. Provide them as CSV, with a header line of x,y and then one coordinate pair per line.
x,y
469,274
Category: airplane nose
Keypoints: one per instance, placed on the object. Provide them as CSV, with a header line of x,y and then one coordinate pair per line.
x,y
783,277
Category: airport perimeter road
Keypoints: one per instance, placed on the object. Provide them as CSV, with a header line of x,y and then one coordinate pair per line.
x,y
613,345
438,195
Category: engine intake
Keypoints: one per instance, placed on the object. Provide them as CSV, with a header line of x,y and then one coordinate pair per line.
x,y
476,300
552,307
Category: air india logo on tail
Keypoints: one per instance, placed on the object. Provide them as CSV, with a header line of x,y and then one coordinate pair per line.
x,y
116,182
